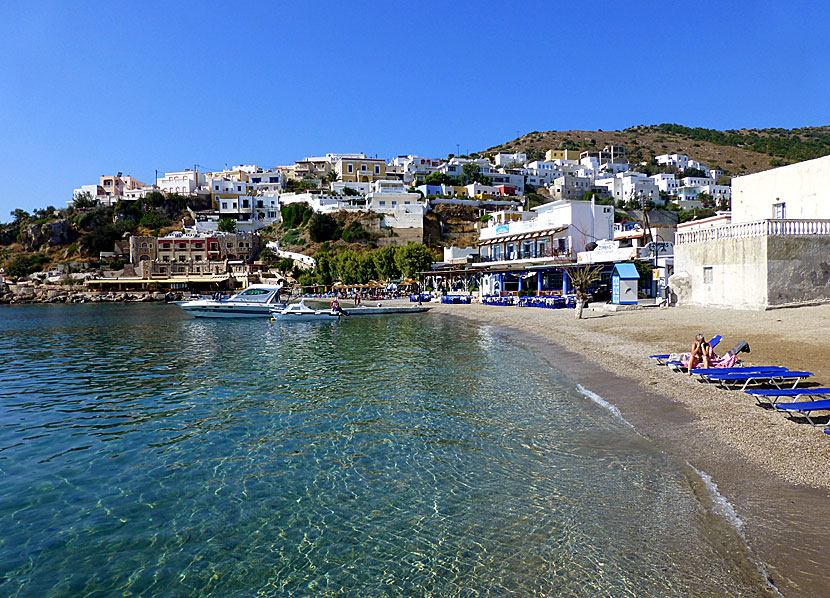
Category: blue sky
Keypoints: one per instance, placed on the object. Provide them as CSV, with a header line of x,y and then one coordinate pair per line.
x,y
94,88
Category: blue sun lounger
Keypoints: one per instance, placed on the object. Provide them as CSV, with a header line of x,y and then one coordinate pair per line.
x,y
663,358
776,378
773,395
805,408
706,373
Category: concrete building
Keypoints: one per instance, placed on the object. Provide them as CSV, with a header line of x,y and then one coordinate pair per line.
x,y
184,182
520,246
517,158
364,170
192,253
666,182
774,252
561,154
385,196
115,186
413,169
568,187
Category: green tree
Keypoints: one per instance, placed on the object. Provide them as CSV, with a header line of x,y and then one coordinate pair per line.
x,y
386,265
440,178
153,220
354,233
267,256
413,258
366,267
84,200
20,215
471,173
322,227
347,266
227,225
295,214
322,270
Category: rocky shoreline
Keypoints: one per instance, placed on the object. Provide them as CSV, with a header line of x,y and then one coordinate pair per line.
x,y
21,295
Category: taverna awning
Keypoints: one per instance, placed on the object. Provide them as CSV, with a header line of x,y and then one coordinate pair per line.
x,y
550,232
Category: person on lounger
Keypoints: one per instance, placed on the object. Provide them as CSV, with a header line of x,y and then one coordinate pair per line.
x,y
702,353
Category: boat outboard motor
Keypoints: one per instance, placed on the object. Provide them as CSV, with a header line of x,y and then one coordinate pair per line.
x,y
741,347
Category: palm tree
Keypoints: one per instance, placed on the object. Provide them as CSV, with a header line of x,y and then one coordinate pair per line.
x,y
581,278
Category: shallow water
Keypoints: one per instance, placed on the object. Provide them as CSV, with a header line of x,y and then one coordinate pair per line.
x,y
146,453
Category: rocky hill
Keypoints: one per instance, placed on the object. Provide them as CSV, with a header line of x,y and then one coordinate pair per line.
x,y
737,152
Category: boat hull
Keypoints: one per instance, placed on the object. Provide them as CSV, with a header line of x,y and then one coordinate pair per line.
x,y
300,317
220,310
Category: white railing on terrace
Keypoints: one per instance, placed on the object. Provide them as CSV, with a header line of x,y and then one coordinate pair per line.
x,y
758,228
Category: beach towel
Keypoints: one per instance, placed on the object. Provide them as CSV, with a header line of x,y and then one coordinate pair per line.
x,y
727,361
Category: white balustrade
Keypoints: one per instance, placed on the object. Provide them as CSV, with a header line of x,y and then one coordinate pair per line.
x,y
759,228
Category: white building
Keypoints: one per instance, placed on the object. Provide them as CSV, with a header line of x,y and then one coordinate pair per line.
x,y
385,196
718,192
267,182
184,182
696,181
679,161
525,235
666,182
517,158
776,250
636,186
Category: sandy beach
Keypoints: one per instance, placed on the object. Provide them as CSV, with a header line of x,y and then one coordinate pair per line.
x,y
771,469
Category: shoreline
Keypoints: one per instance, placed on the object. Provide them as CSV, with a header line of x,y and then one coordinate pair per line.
x,y
771,470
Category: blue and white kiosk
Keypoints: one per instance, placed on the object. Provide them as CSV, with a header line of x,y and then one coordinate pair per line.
x,y
624,282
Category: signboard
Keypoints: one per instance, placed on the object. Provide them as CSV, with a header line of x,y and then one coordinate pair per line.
x,y
615,290
502,228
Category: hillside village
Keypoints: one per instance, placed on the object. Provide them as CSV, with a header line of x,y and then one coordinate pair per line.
x,y
197,231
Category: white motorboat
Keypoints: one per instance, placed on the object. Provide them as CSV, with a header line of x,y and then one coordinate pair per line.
x,y
256,301
300,312
368,310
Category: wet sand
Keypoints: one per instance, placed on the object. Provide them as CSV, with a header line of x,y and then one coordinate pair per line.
x,y
772,470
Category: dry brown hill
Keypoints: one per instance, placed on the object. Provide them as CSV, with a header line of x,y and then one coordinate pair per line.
x,y
736,152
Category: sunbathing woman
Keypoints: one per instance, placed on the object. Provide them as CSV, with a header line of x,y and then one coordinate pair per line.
x,y
702,352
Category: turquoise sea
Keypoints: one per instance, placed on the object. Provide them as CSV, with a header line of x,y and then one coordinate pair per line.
x,y
146,453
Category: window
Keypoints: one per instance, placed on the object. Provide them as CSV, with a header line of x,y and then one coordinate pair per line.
x,y
224,205
377,169
239,188
707,275
383,203
779,211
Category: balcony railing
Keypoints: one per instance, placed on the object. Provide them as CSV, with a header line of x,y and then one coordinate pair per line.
x,y
758,228
561,255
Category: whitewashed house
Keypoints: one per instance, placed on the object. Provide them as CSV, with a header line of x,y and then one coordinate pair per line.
x,y
774,252
504,160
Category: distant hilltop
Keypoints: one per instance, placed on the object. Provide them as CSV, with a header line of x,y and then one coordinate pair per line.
x,y
737,152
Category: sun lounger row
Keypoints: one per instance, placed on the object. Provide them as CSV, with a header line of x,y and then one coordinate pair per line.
x,y
773,384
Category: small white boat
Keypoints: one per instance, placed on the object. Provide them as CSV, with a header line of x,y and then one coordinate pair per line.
x,y
300,312
368,310
256,301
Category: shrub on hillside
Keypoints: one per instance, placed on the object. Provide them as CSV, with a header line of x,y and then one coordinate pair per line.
x,y
322,227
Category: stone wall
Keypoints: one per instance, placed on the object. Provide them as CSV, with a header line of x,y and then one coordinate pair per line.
x,y
754,272
798,270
